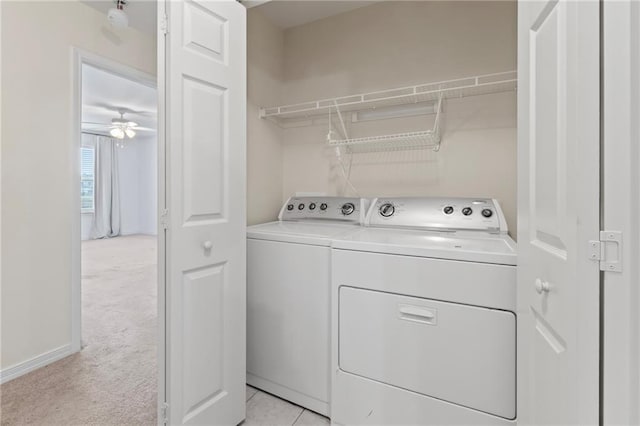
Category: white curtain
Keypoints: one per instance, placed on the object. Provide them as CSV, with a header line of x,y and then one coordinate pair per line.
x,y
106,218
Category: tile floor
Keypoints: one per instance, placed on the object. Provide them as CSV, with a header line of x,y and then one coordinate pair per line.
x,y
267,410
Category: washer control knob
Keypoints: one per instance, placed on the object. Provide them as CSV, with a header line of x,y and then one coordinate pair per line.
x,y
323,206
487,212
301,206
467,211
312,206
386,210
290,207
448,210
347,209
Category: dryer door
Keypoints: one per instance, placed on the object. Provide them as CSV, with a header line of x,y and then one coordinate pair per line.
x,y
458,353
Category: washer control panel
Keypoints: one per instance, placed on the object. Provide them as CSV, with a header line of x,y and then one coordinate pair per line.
x,y
444,214
344,209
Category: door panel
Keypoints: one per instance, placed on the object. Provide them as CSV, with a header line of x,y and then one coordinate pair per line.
x,y
548,82
204,148
203,342
205,86
205,32
558,205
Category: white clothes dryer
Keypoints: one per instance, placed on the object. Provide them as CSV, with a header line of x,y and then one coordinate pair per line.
x,y
423,315
288,297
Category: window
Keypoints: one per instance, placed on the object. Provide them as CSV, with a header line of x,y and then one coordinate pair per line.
x,y
87,172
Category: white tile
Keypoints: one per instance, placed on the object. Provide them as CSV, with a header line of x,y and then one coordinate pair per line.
x,y
309,418
250,392
267,410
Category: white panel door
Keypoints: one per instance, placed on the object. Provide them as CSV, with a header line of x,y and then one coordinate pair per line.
x,y
205,121
558,212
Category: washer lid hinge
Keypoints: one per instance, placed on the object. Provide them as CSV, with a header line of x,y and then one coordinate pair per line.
x,y
607,251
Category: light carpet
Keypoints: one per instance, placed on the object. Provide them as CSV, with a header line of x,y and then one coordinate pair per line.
x,y
113,380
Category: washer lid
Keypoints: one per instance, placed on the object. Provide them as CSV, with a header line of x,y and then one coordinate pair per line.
x,y
466,246
304,232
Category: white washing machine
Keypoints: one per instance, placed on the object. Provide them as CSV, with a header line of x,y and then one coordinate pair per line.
x,y
423,316
288,297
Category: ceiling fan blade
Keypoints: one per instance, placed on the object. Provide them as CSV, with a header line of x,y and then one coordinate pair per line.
x,y
144,129
118,109
96,127
92,123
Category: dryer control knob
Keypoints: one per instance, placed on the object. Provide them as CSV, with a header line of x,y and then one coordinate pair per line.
x,y
290,207
487,212
448,210
386,210
347,209
467,211
323,206
301,206
312,206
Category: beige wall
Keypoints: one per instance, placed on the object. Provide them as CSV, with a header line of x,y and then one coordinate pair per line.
x,y
380,46
395,44
37,40
265,46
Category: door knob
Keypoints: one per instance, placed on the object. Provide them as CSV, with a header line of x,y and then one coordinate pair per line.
x,y
542,286
207,245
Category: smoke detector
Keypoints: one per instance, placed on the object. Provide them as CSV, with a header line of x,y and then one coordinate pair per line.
x,y
116,16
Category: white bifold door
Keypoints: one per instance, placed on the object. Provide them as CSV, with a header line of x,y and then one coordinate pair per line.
x,y
202,68
558,212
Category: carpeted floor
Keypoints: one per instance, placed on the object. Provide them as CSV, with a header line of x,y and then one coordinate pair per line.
x,y
113,379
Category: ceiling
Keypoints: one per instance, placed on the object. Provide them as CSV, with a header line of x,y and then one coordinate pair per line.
x,y
142,13
288,13
283,13
104,93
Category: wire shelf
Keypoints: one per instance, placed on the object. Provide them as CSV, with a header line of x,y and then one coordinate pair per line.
x,y
394,142
471,86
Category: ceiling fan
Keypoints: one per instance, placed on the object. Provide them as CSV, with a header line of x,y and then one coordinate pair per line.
x,y
120,128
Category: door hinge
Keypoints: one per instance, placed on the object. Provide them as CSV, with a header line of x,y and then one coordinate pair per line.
x,y
164,24
164,412
164,218
607,251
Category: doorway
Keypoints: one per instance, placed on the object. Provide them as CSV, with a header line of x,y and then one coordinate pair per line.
x,y
115,310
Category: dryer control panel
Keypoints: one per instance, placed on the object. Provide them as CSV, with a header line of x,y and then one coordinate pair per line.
x,y
435,213
343,209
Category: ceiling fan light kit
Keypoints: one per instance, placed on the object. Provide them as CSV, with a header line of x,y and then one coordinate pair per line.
x,y
117,133
121,127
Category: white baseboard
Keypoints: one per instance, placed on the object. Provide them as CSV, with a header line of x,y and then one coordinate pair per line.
x,y
29,365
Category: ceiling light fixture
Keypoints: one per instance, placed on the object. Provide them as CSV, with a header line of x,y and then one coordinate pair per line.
x,y
116,16
117,133
121,128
